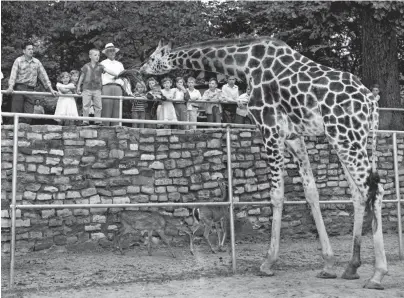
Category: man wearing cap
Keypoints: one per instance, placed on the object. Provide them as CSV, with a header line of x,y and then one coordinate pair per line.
x,y
231,93
110,85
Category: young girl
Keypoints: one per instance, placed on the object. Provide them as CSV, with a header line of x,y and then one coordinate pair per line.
x,y
139,106
213,110
181,96
66,106
167,111
74,77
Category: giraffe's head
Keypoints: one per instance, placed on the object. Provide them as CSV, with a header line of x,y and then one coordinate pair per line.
x,y
158,62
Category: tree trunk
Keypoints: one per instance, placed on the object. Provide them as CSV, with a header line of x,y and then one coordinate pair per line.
x,y
380,66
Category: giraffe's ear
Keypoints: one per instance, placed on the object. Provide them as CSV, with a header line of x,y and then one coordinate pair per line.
x,y
160,45
170,45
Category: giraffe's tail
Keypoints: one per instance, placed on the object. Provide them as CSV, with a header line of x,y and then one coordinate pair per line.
x,y
373,179
373,183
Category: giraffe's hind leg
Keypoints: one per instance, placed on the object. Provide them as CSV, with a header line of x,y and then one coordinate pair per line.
x,y
299,152
359,203
359,175
378,243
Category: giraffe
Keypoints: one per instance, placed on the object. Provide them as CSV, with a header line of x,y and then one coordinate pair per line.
x,y
292,97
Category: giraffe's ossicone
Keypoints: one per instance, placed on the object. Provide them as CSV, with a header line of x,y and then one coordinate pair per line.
x,y
293,97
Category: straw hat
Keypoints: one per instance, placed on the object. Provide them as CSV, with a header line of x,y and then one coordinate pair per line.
x,y
110,46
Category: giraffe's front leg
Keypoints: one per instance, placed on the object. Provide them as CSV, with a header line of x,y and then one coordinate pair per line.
x,y
273,252
275,151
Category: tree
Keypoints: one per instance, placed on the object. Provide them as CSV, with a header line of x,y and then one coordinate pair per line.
x,y
382,22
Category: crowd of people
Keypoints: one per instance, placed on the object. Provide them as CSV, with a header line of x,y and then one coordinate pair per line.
x,y
168,100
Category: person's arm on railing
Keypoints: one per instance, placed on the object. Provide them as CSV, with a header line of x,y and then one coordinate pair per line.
x,y
65,88
45,80
78,90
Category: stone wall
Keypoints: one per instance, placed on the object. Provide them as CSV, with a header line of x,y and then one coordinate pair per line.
x,y
81,165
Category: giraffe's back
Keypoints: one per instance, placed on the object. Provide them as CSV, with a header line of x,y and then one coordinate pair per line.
x,y
317,99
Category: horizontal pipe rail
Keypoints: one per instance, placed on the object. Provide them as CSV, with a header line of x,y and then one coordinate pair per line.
x,y
143,98
213,124
195,204
210,124
391,109
140,98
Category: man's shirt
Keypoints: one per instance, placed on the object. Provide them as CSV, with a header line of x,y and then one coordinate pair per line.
x,y
230,93
27,72
115,66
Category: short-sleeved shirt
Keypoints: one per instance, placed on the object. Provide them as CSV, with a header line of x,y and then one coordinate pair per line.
x,y
27,72
212,96
92,76
115,66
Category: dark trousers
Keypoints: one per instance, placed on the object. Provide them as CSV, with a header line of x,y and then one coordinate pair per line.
x,y
110,107
23,103
181,112
242,119
140,115
216,116
229,110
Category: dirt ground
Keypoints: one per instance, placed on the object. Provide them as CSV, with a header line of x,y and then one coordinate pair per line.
x,y
90,271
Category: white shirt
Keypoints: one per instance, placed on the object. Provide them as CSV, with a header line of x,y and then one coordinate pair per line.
x,y
179,95
115,66
194,95
230,93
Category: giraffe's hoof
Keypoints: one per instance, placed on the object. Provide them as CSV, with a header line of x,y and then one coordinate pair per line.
x,y
265,270
347,275
326,275
373,285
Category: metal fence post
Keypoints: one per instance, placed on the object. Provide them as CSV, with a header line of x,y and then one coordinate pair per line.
x,y
230,195
120,109
397,183
13,200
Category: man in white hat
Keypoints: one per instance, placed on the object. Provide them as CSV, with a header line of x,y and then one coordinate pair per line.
x,y
110,85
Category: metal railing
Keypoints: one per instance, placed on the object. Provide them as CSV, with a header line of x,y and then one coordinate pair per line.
x,y
122,98
230,203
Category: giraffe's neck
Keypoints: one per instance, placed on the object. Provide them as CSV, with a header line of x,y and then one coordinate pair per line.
x,y
239,60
